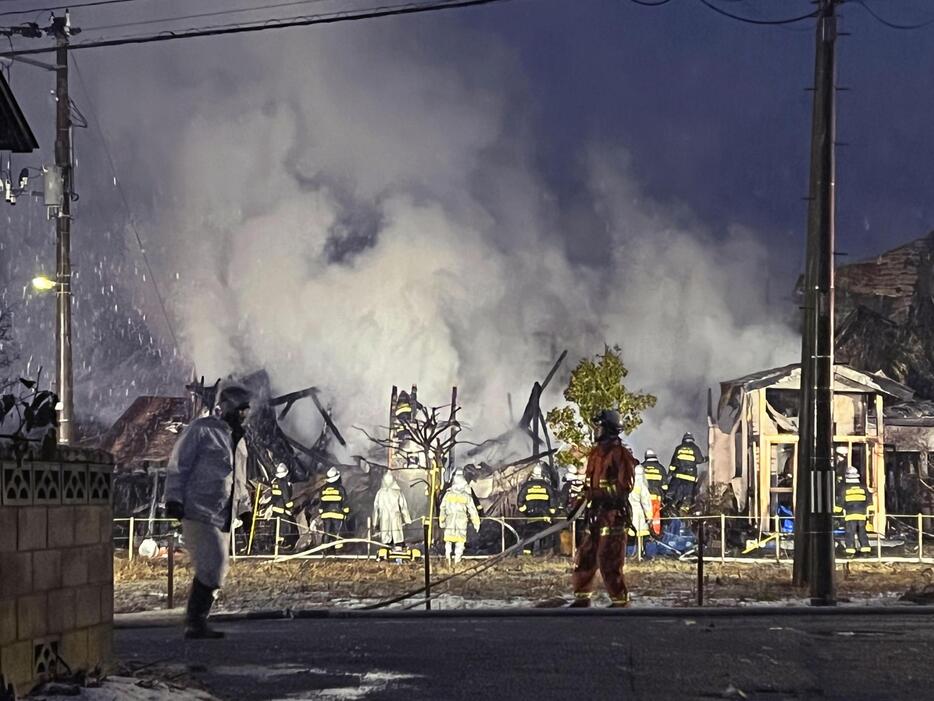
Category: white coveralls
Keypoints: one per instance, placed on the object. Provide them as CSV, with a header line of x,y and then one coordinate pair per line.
x,y
640,504
457,511
390,512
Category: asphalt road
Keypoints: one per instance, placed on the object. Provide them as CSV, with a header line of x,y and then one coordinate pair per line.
x,y
749,654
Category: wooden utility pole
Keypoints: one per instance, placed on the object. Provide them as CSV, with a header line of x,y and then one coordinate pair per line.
x,y
814,544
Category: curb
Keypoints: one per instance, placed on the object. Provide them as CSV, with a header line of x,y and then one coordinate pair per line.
x,y
127,621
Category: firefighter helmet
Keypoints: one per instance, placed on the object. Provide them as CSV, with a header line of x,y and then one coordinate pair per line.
x,y
538,472
333,475
687,437
233,397
852,474
650,455
282,470
610,420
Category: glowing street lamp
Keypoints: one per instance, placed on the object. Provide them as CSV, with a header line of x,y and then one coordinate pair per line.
x,y
43,284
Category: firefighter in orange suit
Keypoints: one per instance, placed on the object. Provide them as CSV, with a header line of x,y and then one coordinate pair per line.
x,y
608,480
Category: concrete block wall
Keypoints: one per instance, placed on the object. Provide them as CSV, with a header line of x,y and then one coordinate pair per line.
x,y
56,563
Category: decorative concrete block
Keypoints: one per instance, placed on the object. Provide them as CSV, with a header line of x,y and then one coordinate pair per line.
x,y
15,574
31,616
44,658
61,528
46,483
74,567
33,528
9,521
74,483
87,605
15,484
61,612
100,480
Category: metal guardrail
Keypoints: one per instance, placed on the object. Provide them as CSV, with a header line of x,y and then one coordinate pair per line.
x,y
727,539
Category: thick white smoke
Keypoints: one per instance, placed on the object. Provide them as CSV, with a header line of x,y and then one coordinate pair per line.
x,y
349,209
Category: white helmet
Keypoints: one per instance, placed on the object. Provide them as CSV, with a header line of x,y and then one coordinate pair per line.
x,y
650,455
388,480
842,451
333,475
852,474
538,472
282,470
460,483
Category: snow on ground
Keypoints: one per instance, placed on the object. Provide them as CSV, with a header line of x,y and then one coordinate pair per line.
x,y
122,689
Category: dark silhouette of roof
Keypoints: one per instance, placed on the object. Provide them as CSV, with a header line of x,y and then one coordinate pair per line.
x,y
15,134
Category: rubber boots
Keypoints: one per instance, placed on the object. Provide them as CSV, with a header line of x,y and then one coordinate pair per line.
x,y
196,617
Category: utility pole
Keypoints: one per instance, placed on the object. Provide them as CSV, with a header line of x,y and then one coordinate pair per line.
x,y
61,30
814,544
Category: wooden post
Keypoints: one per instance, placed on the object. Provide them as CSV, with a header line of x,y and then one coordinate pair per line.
x,y
700,562
275,551
427,543
170,593
920,538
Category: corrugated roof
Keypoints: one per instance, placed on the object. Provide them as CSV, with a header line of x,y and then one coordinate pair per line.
x,y
15,134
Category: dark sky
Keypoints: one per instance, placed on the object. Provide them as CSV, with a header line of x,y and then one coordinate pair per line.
x,y
715,112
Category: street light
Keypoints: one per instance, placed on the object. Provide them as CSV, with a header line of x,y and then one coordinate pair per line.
x,y
42,283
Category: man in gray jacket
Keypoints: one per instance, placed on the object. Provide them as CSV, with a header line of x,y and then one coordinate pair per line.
x,y
206,488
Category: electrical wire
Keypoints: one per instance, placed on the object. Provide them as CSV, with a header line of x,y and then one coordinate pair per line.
x,y
126,205
751,20
55,8
332,18
892,25
216,13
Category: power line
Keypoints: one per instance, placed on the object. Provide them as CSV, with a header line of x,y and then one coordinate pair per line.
x,y
332,18
890,24
200,15
751,20
126,205
652,3
37,10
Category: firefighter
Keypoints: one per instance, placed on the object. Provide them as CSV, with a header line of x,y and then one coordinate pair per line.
x,y
538,504
855,500
390,512
640,506
205,488
456,512
571,490
655,479
333,509
283,507
682,474
608,480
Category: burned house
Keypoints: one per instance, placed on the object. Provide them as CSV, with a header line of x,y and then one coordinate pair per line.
x,y
753,437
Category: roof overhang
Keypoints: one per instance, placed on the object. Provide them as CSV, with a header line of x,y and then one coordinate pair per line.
x,y
15,134
846,379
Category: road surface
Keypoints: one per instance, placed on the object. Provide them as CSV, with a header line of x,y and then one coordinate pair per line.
x,y
751,654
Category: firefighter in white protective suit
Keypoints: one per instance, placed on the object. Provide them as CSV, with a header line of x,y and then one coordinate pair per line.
x,y
390,512
457,511
640,506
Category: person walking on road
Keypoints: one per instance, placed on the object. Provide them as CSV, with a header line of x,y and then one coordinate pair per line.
x,y
205,488
608,481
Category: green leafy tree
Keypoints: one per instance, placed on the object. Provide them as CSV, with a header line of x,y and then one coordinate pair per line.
x,y
596,384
